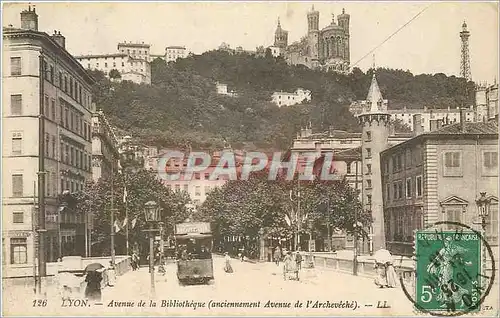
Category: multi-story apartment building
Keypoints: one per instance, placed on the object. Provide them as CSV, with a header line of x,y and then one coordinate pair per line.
x,y
288,99
437,176
172,53
104,147
139,51
199,185
129,68
41,79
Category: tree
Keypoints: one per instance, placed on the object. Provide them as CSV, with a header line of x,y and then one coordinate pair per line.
x,y
114,74
142,186
241,208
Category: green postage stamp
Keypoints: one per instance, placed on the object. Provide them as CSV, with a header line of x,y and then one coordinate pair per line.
x,y
448,271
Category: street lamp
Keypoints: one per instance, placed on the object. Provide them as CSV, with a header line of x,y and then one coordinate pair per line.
x,y
152,215
357,225
483,209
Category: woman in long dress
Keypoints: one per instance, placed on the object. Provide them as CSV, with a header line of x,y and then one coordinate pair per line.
x,y
392,278
111,274
227,267
381,279
93,289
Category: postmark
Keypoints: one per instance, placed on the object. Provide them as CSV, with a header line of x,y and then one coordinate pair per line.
x,y
449,275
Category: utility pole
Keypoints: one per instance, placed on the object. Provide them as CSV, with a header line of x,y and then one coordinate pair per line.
x,y
42,264
299,219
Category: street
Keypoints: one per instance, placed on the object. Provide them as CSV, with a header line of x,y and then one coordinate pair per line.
x,y
250,282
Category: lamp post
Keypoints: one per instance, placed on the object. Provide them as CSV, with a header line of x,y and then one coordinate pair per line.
x,y
483,209
152,215
357,225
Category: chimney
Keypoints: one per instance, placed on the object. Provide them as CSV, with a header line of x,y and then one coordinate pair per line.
x,y
462,119
417,124
29,19
59,39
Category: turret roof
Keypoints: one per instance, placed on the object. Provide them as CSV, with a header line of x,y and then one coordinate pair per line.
x,y
374,95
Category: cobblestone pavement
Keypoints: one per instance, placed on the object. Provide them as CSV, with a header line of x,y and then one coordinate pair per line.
x,y
260,282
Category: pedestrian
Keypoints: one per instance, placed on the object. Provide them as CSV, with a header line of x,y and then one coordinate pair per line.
x,y
93,289
381,279
392,280
298,260
111,272
135,262
227,267
277,255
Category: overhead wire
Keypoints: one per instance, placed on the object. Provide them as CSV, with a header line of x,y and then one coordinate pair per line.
x,y
393,34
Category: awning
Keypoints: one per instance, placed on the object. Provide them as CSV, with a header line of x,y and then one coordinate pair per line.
x,y
193,236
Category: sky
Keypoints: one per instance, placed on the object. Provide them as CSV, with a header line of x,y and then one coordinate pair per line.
x,y
429,44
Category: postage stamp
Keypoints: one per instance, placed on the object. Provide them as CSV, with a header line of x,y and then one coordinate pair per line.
x,y
450,276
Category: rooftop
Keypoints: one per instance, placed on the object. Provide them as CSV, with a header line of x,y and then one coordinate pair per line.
x,y
130,44
469,128
93,56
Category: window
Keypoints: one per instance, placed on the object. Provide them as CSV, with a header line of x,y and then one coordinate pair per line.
x,y
47,144
452,163
368,153
207,189
17,185
18,251
400,189
15,66
105,64
197,191
395,190
66,155
53,109
16,104
66,121
490,163
60,80
408,159
368,168
418,184
453,214
186,188
65,84
388,192
368,136
17,143
177,187
46,106
51,74
71,86
492,223
77,158
72,121
197,176
348,168
369,199
408,187
17,217
80,95
72,156
368,184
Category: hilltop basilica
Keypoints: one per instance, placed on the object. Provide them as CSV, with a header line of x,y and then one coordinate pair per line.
x,y
326,49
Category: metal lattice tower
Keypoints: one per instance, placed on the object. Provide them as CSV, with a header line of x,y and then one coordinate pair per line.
x,y
465,55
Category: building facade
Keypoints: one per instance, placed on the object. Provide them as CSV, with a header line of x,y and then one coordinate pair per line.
x,y
173,53
222,90
104,148
138,51
128,67
327,48
428,116
437,176
486,102
288,99
42,79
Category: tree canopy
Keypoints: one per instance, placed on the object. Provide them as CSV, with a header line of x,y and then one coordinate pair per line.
x,y
182,104
141,187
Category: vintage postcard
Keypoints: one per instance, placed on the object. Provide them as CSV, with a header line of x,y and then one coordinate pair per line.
x,y
221,158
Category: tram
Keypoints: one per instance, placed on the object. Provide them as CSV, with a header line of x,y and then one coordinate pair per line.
x,y
193,241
